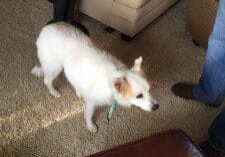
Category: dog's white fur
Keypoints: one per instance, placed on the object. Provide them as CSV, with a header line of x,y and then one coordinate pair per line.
x,y
97,77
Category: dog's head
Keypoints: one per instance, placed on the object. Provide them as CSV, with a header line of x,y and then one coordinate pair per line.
x,y
131,88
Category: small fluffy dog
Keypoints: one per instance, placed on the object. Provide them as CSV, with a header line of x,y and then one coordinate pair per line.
x,y
97,77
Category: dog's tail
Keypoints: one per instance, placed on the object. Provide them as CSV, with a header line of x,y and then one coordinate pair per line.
x,y
38,71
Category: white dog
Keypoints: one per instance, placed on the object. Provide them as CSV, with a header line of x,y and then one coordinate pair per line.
x,y
97,77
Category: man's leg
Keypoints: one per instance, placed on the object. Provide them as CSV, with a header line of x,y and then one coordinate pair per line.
x,y
60,10
70,10
211,86
217,132
64,11
69,17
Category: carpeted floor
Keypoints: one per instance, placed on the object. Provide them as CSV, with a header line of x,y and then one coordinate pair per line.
x,y
32,123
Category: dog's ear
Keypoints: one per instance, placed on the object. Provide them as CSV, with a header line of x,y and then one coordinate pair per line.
x,y
119,84
123,87
137,64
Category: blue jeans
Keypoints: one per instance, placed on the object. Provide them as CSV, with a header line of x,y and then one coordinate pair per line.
x,y
211,86
63,10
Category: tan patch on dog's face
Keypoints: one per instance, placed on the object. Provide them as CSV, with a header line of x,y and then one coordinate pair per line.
x,y
124,88
128,92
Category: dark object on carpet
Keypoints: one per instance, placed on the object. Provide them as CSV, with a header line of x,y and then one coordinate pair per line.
x,y
185,90
172,143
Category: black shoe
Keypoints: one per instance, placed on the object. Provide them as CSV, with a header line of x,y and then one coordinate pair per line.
x,y
209,151
51,1
185,91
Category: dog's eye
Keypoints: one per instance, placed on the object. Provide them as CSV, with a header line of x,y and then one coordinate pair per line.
x,y
139,96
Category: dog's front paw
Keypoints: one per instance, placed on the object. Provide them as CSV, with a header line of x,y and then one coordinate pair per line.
x,y
93,128
79,95
56,94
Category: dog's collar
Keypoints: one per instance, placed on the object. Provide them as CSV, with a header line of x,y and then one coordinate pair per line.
x,y
111,110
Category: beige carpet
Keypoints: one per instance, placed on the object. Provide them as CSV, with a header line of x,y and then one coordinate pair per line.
x,y
32,123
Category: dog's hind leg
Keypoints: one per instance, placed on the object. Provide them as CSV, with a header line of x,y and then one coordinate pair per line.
x,y
38,71
88,114
52,90
52,67
49,76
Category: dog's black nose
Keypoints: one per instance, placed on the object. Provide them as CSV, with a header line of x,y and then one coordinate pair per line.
x,y
155,107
